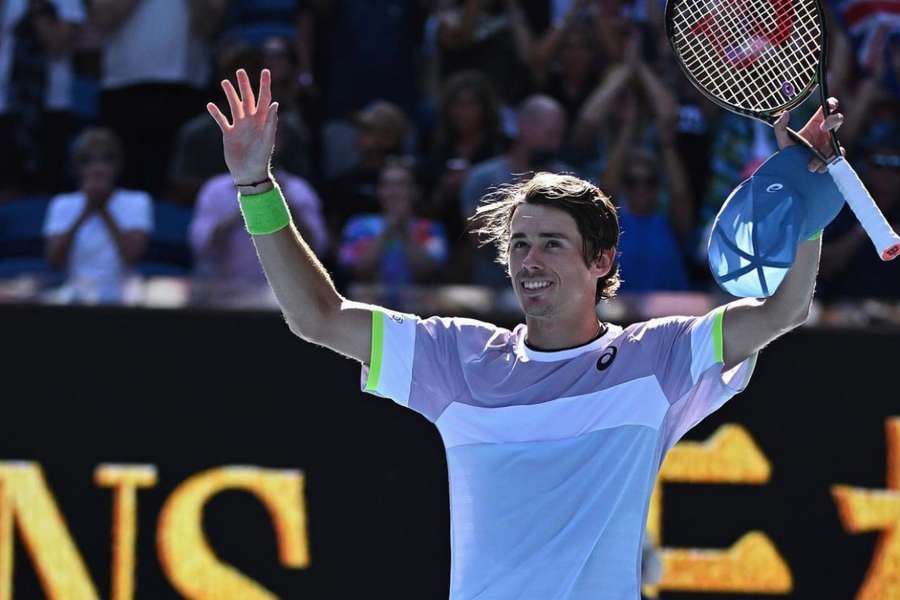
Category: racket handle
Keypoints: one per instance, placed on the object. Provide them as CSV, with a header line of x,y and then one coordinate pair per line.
x,y
867,212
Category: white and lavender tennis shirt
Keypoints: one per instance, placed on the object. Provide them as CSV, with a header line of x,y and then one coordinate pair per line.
x,y
552,456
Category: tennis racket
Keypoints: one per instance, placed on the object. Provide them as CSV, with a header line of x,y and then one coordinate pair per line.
x,y
760,58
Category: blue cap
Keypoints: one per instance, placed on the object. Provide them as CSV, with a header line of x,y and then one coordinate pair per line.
x,y
755,236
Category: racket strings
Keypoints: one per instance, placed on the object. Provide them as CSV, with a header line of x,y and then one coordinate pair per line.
x,y
757,55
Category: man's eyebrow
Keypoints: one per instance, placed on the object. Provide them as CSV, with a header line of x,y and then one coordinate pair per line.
x,y
543,234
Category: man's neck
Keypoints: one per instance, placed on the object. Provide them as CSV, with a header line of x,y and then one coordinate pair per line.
x,y
555,334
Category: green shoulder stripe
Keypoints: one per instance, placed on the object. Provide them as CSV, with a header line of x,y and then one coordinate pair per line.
x,y
718,342
375,361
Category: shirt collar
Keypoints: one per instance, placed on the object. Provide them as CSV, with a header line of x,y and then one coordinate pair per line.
x,y
612,331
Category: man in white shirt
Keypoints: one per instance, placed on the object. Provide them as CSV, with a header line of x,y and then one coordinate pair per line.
x,y
555,430
99,232
155,62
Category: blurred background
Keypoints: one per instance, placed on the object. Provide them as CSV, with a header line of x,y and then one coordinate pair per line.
x,y
396,117
130,292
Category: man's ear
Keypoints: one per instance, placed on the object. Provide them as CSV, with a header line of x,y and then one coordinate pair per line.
x,y
602,265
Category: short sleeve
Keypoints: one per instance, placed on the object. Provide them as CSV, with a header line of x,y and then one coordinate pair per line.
x,y
691,371
136,213
415,362
61,215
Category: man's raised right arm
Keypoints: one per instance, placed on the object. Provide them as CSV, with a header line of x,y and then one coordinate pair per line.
x,y
312,307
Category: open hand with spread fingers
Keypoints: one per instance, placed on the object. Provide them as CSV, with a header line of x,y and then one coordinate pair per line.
x,y
250,138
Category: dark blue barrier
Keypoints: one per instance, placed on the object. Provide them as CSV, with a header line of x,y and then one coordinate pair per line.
x,y
191,392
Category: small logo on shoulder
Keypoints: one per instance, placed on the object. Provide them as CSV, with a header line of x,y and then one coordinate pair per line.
x,y
397,318
607,358
774,187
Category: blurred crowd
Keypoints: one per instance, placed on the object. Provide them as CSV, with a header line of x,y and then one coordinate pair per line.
x,y
396,117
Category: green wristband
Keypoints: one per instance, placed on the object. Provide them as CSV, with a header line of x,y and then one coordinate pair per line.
x,y
265,213
816,235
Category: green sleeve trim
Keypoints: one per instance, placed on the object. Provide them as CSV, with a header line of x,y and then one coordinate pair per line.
x,y
718,340
816,235
265,213
375,357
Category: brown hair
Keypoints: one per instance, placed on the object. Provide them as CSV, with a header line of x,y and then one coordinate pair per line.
x,y
486,96
592,210
98,140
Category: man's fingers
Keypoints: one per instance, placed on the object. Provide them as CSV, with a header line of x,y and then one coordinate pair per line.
x,y
248,99
272,118
219,118
781,135
832,122
816,166
234,102
265,89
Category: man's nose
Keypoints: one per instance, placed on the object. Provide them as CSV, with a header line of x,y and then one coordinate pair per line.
x,y
533,258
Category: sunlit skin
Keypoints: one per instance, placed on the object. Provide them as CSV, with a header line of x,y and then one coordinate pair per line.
x,y
546,246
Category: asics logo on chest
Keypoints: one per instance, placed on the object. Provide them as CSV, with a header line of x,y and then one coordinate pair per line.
x,y
606,359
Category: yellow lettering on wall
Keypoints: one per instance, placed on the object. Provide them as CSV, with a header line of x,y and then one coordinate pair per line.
x,y
26,501
863,510
187,558
753,564
6,549
124,480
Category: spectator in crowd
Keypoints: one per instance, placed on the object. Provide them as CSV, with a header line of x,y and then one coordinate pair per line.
x,y
493,36
381,130
154,68
288,85
541,125
192,161
650,249
225,258
370,53
36,37
394,247
468,132
571,69
851,268
657,219
598,119
281,60
740,145
99,232
285,32
255,21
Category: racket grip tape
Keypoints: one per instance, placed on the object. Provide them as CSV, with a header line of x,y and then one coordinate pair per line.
x,y
886,242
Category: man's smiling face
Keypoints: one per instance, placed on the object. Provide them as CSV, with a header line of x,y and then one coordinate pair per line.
x,y
546,263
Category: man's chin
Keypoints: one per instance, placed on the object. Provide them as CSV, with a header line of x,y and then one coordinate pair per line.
x,y
532,308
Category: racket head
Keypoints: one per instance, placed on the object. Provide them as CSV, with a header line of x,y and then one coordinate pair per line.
x,y
758,66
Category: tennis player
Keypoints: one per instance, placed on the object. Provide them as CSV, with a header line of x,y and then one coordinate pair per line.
x,y
554,431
